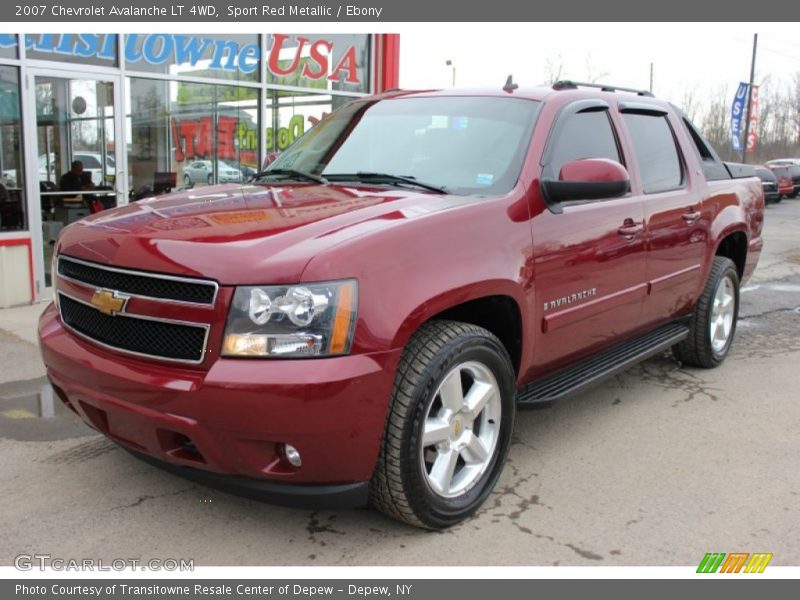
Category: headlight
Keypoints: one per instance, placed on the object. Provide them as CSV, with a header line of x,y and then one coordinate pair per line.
x,y
304,320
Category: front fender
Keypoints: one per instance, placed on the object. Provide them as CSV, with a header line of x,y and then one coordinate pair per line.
x,y
423,265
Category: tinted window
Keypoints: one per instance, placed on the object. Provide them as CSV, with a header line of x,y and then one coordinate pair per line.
x,y
654,145
584,135
713,168
699,142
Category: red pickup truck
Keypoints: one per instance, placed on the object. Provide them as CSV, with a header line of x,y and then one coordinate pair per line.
x,y
360,322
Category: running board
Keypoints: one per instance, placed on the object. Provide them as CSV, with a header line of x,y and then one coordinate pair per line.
x,y
600,366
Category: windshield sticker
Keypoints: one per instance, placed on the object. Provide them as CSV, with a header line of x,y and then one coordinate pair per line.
x,y
460,122
484,179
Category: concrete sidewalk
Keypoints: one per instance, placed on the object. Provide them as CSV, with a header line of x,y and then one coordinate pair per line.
x,y
21,320
18,346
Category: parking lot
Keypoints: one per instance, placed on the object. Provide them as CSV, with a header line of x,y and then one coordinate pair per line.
x,y
655,467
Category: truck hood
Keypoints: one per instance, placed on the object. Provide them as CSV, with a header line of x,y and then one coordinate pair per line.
x,y
242,234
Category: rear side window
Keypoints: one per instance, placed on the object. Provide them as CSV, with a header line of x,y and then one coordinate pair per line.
x,y
654,145
584,135
713,169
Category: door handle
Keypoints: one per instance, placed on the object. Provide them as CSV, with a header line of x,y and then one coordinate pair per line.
x,y
691,216
630,229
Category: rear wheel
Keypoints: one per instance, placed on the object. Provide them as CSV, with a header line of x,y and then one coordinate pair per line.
x,y
449,426
713,324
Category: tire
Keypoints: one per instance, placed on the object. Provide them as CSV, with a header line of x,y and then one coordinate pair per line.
x,y
778,199
187,181
404,483
210,179
701,348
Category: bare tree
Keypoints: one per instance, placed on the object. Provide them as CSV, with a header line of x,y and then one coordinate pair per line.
x,y
553,69
689,104
715,122
593,76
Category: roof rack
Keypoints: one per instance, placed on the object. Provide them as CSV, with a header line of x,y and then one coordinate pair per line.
x,y
574,85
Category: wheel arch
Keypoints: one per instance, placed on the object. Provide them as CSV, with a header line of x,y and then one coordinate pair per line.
x,y
733,244
497,306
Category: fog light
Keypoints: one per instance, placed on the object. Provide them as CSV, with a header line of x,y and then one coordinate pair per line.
x,y
292,455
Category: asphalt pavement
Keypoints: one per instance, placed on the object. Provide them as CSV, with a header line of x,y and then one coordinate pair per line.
x,y
657,466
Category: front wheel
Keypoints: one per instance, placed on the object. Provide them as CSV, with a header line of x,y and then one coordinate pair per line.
x,y
449,426
713,323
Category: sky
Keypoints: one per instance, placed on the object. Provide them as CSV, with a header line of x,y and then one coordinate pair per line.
x,y
697,57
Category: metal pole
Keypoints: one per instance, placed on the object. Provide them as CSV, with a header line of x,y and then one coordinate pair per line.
x,y
651,78
749,99
452,65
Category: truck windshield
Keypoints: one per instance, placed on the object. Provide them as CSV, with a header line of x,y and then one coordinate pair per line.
x,y
459,145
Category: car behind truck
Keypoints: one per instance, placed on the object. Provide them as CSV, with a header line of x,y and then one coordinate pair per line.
x,y
361,322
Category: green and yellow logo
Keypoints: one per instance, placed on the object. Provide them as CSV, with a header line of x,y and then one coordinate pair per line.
x,y
735,562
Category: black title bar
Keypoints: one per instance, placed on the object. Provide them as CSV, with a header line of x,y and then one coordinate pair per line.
x,y
372,11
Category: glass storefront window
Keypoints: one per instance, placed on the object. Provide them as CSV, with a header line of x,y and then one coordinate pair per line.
x,y
234,57
84,48
337,62
190,135
12,195
291,114
76,153
8,45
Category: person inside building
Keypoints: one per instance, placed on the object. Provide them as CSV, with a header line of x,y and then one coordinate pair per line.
x,y
71,181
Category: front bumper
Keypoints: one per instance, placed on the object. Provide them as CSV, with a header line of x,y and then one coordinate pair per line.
x,y
346,495
232,419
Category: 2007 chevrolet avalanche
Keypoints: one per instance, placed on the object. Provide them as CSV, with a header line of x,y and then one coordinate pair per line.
x,y
360,322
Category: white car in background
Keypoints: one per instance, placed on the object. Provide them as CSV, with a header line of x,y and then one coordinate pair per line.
x,y
202,171
93,162
48,169
783,162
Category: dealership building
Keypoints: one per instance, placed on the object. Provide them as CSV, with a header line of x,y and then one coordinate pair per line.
x,y
148,113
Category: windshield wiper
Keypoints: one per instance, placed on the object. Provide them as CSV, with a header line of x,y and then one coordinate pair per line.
x,y
291,173
368,176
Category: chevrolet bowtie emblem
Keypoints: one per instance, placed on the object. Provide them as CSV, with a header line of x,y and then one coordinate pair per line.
x,y
108,302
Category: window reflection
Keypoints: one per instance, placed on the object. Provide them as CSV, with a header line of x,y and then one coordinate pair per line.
x,y
188,135
12,197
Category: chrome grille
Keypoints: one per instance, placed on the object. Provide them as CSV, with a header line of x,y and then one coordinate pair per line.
x,y
138,283
135,334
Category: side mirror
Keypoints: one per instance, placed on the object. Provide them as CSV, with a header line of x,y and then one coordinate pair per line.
x,y
587,179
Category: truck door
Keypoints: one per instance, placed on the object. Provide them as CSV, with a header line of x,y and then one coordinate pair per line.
x,y
589,255
676,224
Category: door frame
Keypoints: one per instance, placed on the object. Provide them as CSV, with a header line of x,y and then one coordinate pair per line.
x,y
30,133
